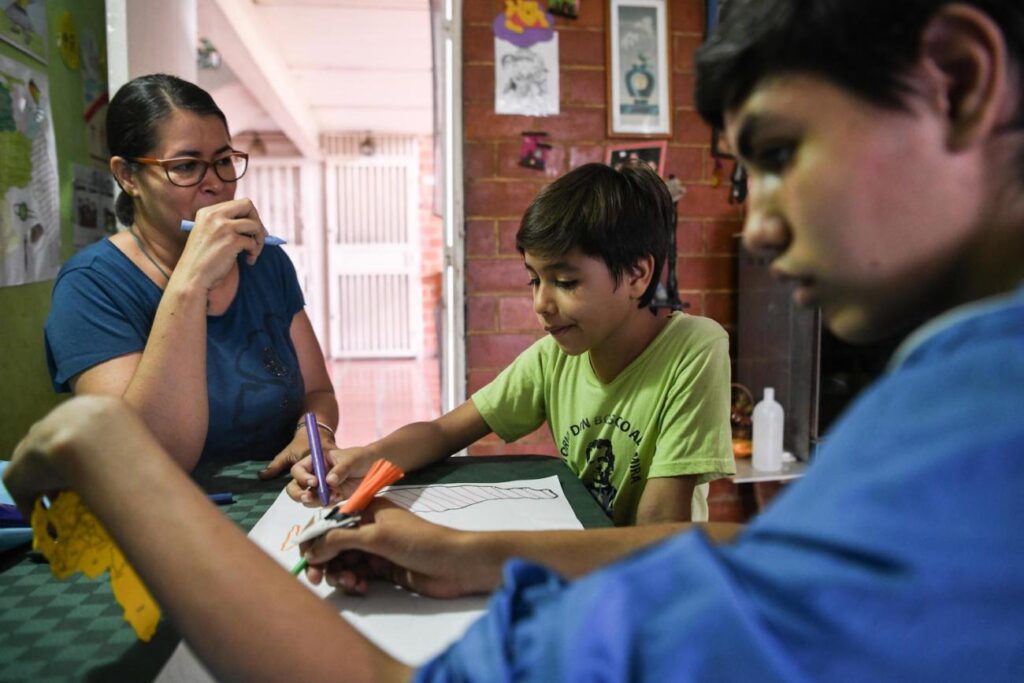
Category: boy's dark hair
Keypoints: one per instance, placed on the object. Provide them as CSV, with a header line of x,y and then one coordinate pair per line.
x,y
618,215
864,46
136,112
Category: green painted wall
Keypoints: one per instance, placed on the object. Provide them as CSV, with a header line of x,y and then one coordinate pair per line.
x,y
25,390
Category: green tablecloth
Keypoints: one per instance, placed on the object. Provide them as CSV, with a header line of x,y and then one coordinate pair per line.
x,y
54,630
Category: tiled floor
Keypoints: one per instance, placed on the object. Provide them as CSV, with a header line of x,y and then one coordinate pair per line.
x,y
375,397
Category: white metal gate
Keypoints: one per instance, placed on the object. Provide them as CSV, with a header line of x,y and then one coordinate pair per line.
x,y
286,192
373,259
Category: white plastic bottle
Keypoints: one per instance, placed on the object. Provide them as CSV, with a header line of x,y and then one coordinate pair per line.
x,y
768,424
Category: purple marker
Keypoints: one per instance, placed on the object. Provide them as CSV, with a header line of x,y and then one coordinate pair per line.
x,y
316,451
273,240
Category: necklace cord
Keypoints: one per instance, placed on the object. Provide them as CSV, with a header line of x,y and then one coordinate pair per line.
x,y
146,254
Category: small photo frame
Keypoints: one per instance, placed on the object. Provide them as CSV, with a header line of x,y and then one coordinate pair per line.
x,y
653,153
639,77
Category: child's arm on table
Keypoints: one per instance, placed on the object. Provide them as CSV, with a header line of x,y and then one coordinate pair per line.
x,y
198,564
410,447
396,545
666,499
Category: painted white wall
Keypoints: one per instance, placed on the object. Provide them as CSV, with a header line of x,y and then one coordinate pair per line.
x,y
303,67
250,48
150,36
244,112
359,65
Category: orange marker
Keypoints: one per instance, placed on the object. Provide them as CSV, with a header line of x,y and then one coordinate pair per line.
x,y
382,473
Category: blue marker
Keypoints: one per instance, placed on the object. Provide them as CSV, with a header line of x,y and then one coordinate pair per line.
x,y
273,240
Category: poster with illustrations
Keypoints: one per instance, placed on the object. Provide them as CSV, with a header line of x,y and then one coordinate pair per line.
x,y
94,96
93,215
525,61
23,25
29,198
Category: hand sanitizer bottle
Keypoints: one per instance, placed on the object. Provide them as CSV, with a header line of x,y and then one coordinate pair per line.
x,y
768,423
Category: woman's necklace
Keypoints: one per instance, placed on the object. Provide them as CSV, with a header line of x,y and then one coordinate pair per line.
x,y
146,254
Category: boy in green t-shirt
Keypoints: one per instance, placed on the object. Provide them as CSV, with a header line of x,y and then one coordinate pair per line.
x,y
638,404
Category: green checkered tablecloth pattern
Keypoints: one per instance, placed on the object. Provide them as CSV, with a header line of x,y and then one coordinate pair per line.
x,y
55,631
52,628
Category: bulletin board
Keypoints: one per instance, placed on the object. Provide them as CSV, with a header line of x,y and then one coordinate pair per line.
x,y
76,84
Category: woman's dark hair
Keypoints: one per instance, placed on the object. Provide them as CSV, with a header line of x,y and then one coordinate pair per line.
x,y
865,46
136,112
618,215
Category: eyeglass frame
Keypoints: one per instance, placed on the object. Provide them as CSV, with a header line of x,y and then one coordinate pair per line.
x,y
207,165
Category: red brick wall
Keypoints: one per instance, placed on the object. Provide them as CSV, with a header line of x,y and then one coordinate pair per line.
x,y
499,316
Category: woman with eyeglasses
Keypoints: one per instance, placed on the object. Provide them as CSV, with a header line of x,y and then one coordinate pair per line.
x,y
202,332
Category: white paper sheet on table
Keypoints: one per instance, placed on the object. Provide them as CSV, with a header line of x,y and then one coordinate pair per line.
x,y
409,627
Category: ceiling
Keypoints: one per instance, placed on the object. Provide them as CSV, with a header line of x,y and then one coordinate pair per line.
x,y
306,67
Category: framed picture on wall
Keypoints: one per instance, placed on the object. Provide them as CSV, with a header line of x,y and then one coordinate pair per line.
x,y
638,73
653,153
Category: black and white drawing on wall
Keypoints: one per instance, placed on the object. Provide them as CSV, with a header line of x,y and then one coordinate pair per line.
x,y
525,60
639,89
526,78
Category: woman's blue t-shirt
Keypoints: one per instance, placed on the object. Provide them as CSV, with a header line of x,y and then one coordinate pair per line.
x,y
103,307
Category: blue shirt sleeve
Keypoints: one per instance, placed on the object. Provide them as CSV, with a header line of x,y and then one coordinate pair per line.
x,y
91,322
665,614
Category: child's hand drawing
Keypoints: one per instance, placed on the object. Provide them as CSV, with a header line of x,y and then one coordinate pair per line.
x,y
345,470
392,544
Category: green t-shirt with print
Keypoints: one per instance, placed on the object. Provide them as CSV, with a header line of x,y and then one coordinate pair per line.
x,y
665,415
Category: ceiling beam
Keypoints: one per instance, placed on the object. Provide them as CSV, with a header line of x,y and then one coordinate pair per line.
x,y
230,26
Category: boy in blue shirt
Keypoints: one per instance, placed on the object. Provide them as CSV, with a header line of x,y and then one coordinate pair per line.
x,y
884,143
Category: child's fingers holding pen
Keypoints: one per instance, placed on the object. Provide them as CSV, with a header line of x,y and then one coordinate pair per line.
x,y
342,547
302,487
347,581
349,571
347,463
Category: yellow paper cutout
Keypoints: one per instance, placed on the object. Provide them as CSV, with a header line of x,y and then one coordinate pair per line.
x,y
73,540
67,40
523,14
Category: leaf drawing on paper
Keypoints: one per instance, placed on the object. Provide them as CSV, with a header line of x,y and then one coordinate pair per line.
x,y
444,498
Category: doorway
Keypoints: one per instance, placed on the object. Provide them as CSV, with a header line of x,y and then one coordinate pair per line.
x,y
340,123
373,246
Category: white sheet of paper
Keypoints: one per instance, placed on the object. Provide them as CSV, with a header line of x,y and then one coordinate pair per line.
x,y
409,627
